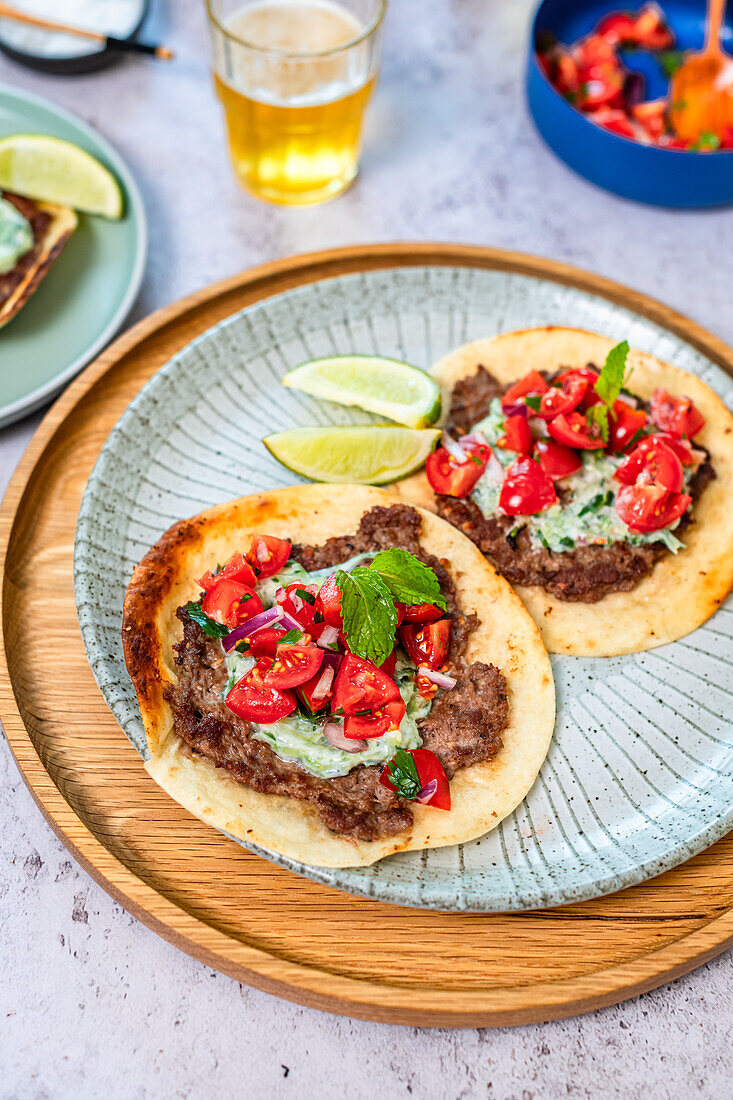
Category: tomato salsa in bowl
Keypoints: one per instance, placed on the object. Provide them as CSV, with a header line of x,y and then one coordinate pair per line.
x,y
604,140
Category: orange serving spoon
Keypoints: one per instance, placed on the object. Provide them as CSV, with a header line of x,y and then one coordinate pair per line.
x,y
702,88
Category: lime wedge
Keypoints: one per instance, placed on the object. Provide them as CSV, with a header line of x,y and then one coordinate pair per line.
x,y
362,454
50,170
386,387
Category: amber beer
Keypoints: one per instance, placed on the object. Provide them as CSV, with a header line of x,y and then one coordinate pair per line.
x,y
294,77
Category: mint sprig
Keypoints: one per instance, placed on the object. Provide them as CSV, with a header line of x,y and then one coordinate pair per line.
x,y
209,626
368,612
608,386
407,578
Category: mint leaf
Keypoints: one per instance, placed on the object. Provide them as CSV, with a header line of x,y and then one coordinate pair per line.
x,y
209,626
402,772
707,140
598,415
670,61
532,401
369,613
611,379
407,578
292,637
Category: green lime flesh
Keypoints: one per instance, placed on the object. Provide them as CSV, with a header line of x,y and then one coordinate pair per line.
x,y
48,169
365,455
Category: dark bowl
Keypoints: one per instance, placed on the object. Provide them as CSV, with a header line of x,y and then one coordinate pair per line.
x,y
665,177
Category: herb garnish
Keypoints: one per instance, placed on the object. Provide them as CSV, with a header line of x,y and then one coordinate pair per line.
x,y
608,386
209,626
402,772
292,637
305,595
670,61
533,402
368,595
707,140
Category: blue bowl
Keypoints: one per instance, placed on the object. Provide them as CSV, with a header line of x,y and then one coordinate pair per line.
x,y
665,177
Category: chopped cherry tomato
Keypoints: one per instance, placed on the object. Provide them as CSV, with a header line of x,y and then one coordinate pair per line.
x,y
617,27
726,141
650,30
565,397
567,78
389,664
359,727
299,602
602,92
236,569
268,555
419,612
556,460
293,665
651,461
517,435
591,376
676,415
649,507
623,424
254,701
456,479
317,685
328,602
652,117
532,383
231,603
615,120
264,642
681,447
527,489
574,430
429,771
361,686
427,645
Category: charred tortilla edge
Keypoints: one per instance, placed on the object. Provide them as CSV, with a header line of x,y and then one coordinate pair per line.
x,y
63,223
681,591
482,795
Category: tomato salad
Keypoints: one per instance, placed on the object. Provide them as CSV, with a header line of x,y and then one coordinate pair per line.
x,y
333,668
578,459
592,76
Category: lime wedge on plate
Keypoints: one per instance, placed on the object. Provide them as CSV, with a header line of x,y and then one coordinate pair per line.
x,y
386,387
51,170
365,454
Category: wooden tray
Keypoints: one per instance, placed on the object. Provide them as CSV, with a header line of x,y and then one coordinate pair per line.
x,y
233,911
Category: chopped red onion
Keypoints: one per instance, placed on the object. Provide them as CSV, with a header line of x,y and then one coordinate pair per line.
x,y
289,622
428,791
265,618
454,449
475,437
494,472
517,408
334,734
296,601
628,399
439,678
322,688
328,636
333,660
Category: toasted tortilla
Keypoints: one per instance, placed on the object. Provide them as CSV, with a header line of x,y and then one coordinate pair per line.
x,y
682,590
46,250
506,637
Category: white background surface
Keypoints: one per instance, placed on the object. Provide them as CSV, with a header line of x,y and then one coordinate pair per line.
x,y
92,1003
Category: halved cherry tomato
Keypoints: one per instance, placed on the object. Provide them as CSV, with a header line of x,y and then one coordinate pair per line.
x,y
429,769
293,665
299,602
264,642
565,397
591,376
361,686
649,507
517,435
681,447
316,684
531,383
419,612
623,424
255,701
427,645
456,479
676,415
328,602
557,461
651,461
527,489
236,569
231,603
268,555
366,726
574,430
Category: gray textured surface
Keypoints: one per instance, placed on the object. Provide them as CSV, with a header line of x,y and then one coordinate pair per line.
x,y
90,1001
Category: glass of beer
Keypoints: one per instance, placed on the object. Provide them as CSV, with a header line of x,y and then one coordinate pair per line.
x,y
294,77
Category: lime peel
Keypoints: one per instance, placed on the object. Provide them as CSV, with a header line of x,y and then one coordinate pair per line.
x,y
49,169
356,454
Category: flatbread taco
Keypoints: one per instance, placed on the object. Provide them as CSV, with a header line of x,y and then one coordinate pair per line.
x,y
32,237
597,479
333,675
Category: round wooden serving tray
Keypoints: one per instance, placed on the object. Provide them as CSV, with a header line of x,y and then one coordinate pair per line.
x,y
221,904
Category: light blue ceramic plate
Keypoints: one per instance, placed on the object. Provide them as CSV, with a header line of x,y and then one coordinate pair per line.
x,y
88,292
640,772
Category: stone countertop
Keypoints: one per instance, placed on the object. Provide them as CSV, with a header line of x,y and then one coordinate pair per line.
x,y
91,1002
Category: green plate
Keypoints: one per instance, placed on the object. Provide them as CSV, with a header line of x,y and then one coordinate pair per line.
x,y
86,296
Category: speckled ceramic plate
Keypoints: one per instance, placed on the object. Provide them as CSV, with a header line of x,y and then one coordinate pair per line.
x,y
640,773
